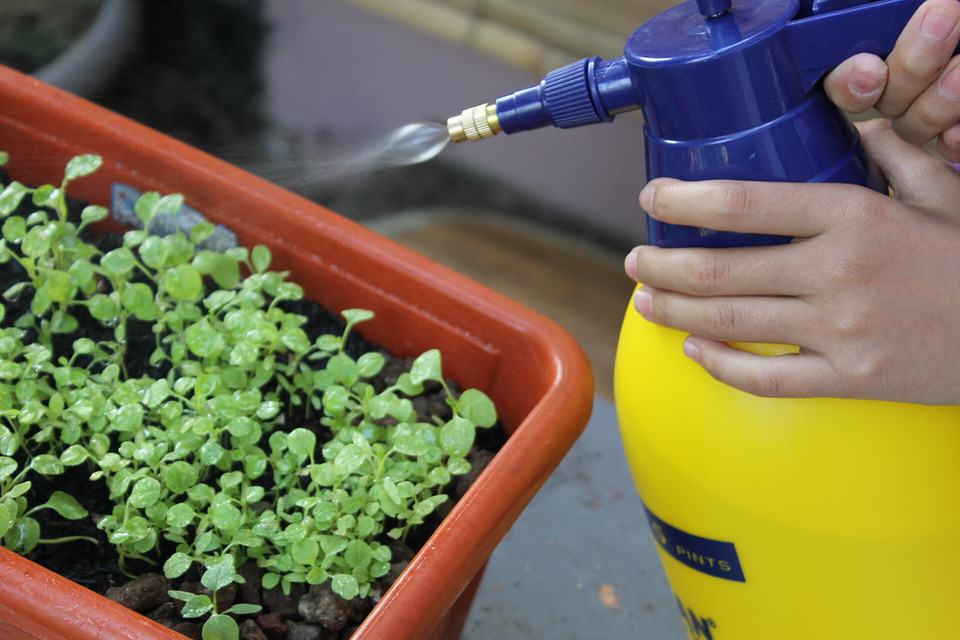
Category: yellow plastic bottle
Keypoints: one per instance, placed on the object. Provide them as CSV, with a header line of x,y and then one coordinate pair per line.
x,y
791,519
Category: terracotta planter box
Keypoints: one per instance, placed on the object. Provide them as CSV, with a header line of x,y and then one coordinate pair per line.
x,y
535,372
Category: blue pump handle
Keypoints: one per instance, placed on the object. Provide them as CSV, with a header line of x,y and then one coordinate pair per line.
x,y
832,34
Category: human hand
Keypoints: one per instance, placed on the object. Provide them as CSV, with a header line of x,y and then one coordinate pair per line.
x,y
870,291
918,85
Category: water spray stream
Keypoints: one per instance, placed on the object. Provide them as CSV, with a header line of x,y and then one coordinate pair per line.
x,y
410,144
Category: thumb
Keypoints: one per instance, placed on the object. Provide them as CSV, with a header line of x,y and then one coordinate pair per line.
x,y
858,83
916,176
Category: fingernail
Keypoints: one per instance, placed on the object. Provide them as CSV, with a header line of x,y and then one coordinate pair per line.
x,y
867,77
646,197
643,301
692,351
950,85
939,24
630,264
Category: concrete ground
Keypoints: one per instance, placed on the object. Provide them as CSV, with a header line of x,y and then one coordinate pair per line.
x,y
580,563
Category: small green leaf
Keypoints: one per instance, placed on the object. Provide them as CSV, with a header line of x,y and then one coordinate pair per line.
x,y
180,515
154,252
35,243
270,580
24,536
4,158
201,232
8,466
82,272
196,606
7,511
219,574
426,367
118,263
145,493
62,322
410,445
146,207
128,418
133,239
177,565
356,316
65,505
11,197
458,466
260,257
406,385
305,551
170,204
19,489
47,465
242,609
59,286
370,364
204,340
457,436
302,442
345,586
156,393
220,627
80,166
183,282
295,339
350,458
226,272
225,517
253,494
103,308
476,406
93,213
83,346
211,453
180,476
14,228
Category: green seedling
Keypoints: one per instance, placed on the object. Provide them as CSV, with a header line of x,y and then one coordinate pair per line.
x,y
204,454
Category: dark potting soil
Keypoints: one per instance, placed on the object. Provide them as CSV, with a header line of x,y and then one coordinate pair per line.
x,y
305,614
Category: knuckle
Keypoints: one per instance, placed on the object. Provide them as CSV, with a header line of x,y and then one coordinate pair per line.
x,y
722,318
920,123
867,369
766,384
706,271
850,324
735,200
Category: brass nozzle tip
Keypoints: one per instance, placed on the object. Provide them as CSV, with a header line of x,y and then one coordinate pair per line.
x,y
474,124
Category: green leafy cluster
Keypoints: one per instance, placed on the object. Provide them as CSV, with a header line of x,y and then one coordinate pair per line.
x,y
205,457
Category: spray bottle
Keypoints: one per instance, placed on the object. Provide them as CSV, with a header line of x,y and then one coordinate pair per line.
x,y
811,519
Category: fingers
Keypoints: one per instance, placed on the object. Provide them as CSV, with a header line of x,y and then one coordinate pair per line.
x,y
915,175
753,271
922,51
790,376
949,145
857,84
735,319
936,110
779,208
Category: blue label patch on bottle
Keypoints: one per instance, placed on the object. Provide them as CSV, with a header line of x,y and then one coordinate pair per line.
x,y
712,557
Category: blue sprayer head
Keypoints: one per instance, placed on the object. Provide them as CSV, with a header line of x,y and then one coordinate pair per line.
x,y
728,90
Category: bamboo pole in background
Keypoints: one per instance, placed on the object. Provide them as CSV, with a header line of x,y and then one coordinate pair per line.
x,y
535,35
